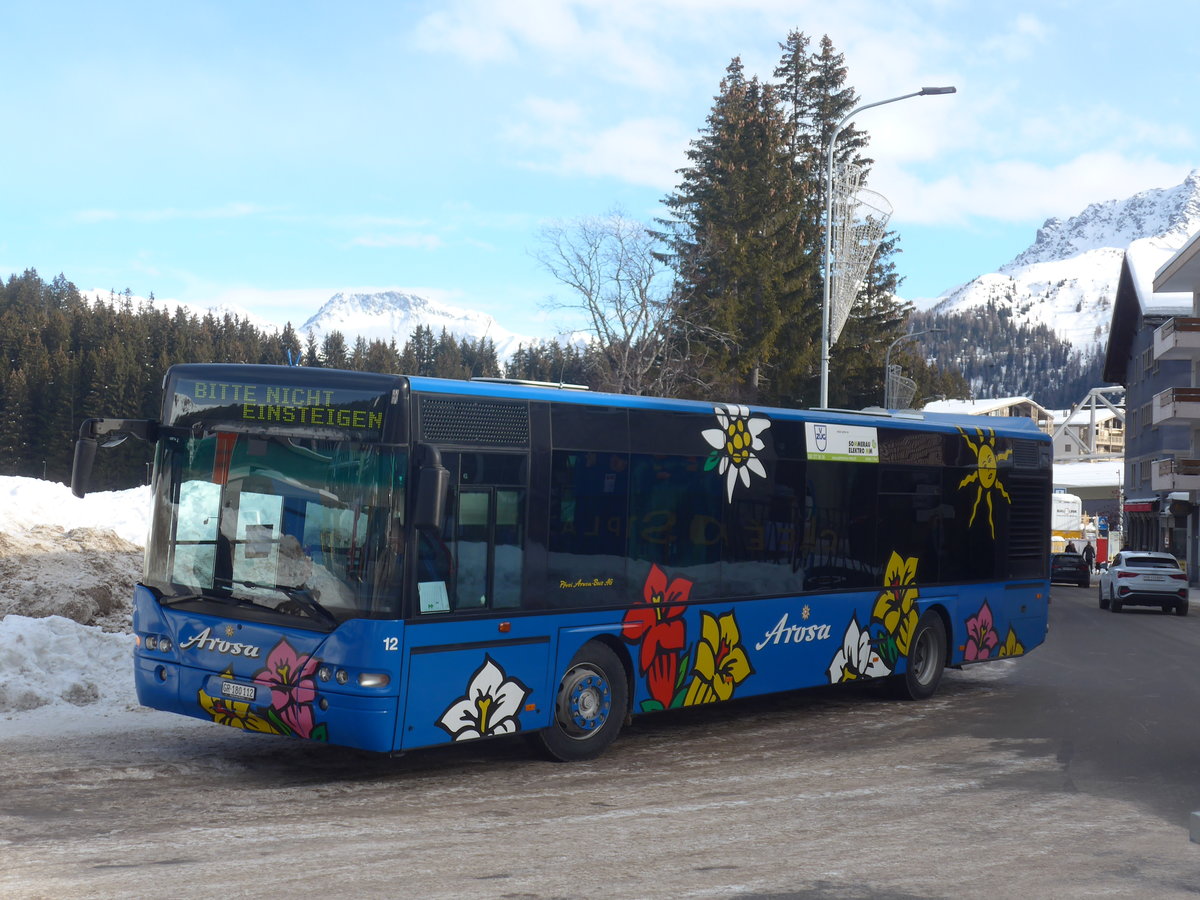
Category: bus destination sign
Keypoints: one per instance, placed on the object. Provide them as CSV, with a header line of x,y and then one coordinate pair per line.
x,y
355,413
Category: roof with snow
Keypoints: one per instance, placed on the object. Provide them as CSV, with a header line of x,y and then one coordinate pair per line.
x,y
1182,271
1101,473
992,406
1137,300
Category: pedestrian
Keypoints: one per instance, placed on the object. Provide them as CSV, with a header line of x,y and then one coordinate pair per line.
x,y
1071,548
1089,556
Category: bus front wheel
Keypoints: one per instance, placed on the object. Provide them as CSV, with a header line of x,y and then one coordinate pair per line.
x,y
590,706
926,659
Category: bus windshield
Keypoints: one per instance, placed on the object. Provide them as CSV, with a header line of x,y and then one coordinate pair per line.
x,y
279,526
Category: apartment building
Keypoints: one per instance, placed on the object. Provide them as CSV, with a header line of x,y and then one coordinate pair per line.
x,y
1154,351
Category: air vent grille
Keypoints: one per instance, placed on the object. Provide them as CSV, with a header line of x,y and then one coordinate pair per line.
x,y
464,421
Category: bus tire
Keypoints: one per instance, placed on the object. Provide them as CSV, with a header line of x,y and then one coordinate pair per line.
x,y
926,660
589,707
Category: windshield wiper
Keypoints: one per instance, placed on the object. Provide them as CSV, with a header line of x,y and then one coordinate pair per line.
x,y
302,597
182,598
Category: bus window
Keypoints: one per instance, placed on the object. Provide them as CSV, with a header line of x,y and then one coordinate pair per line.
x,y
589,509
510,539
196,534
471,548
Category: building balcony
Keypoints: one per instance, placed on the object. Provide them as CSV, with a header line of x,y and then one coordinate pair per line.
x,y
1176,406
1177,338
1174,474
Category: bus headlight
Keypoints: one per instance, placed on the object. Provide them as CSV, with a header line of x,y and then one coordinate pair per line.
x,y
373,679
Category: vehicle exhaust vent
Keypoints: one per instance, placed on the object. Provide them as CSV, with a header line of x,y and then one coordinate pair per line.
x,y
1028,529
469,422
1028,454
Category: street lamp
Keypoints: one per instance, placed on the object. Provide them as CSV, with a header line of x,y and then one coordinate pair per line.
x,y
923,92
887,361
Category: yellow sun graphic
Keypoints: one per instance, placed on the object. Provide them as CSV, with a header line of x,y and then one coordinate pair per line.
x,y
985,474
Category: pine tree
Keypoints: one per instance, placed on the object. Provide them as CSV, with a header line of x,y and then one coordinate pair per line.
x,y
733,240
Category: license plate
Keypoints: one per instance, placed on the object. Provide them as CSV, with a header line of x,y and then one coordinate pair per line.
x,y
1154,578
236,691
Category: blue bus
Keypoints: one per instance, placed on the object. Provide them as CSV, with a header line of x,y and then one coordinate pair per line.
x,y
390,562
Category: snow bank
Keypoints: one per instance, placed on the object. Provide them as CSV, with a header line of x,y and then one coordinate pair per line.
x,y
63,556
59,663
28,502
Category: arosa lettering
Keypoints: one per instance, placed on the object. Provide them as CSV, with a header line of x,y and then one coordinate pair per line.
x,y
205,641
783,633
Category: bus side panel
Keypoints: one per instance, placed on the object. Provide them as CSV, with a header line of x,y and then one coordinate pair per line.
x,y
701,653
998,621
471,679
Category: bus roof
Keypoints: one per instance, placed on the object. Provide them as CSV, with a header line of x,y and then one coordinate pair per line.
x,y
496,389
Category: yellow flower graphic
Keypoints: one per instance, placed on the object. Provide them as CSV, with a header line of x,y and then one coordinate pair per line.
x,y
1012,647
896,607
985,474
721,661
234,714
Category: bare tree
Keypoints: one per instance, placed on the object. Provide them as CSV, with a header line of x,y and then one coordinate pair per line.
x,y
625,294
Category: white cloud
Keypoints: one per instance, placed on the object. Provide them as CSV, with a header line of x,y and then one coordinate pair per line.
x,y
638,151
228,211
1022,190
644,151
417,241
1022,39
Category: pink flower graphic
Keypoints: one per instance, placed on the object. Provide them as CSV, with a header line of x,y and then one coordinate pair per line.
x,y
981,635
293,689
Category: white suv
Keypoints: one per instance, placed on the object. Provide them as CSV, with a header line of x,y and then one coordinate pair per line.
x,y
1144,578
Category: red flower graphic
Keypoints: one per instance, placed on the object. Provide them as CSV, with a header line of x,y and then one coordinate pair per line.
x,y
658,628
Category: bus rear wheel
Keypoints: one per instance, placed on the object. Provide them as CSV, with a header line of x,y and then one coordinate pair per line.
x,y
926,660
590,706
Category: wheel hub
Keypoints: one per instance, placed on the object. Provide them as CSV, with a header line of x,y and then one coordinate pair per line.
x,y
584,702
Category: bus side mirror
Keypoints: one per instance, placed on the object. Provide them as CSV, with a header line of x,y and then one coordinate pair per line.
x,y
113,432
81,469
433,485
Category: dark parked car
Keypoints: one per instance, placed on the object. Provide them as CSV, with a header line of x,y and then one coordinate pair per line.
x,y
1070,567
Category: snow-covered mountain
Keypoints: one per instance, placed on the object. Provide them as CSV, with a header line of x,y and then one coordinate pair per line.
x,y
386,315
1067,279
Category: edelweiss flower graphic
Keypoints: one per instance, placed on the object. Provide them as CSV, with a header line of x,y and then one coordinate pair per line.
x,y
735,443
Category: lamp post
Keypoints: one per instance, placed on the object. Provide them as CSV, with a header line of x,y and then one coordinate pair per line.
x,y
887,361
825,342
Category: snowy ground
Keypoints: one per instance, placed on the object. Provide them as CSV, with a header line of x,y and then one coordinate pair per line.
x,y
818,794
67,569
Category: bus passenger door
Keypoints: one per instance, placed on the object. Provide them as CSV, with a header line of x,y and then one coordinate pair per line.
x,y
488,539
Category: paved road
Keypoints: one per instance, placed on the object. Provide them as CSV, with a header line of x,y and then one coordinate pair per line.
x,y
1068,774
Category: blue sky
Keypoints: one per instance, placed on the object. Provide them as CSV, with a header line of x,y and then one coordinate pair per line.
x,y
269,154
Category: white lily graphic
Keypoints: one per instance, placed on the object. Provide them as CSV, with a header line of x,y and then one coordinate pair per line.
x,y
736,442
489,707
856,659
